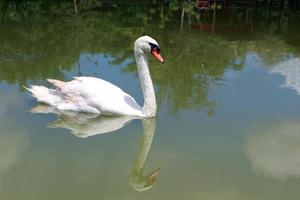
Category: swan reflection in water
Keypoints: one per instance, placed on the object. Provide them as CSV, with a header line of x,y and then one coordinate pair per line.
x,y
274,150
86,125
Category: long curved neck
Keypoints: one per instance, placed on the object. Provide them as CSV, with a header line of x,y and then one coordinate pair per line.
x,y
149,108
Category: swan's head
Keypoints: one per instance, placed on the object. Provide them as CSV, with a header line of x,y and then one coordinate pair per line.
x,y
146,44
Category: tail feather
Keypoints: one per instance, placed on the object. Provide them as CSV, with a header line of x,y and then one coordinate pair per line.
x,y
45,95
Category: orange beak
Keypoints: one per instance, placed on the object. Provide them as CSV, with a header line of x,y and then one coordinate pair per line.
x,y
157,55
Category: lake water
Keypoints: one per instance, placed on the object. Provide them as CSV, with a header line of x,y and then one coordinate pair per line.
x,y
227,127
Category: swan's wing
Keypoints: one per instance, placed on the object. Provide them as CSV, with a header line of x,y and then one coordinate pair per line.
x,y
89,93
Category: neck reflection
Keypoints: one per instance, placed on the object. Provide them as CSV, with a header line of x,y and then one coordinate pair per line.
x,y
140,182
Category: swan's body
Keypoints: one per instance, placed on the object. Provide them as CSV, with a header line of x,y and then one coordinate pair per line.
x,y
87,94
94,95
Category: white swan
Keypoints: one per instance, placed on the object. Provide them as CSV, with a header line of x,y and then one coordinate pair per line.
x,y
94,95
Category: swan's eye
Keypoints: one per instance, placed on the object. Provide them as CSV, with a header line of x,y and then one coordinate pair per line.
x,y
154,46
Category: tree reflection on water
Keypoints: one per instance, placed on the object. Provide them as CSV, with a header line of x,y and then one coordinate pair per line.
x,y
195,61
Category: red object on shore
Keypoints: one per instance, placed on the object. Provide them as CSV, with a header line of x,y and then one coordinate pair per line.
x,y
202,4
